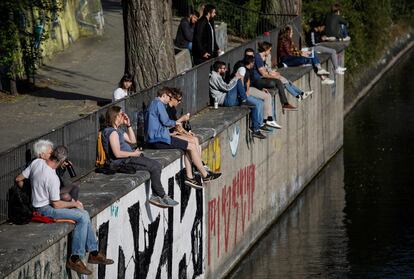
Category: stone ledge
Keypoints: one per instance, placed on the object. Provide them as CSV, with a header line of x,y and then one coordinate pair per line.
x,y
19,244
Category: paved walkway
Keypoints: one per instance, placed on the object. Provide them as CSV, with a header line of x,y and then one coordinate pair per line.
x,y
77,81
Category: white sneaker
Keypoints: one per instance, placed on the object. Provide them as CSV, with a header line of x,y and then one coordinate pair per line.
x,y
322,72
306,94
273,124
338,72
342,69
346,39
328,81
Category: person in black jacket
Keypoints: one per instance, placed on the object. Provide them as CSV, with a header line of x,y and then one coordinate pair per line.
x,y
184,37
336,24
204,39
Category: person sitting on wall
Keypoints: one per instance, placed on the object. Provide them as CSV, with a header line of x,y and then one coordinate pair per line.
x,y
204,38
233,93
182,131
263,78
315,36
46,201
184,37
157,125
290,56
336,25
123,87
68,190
116,143
244,69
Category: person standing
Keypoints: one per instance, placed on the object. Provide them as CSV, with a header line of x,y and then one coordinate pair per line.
x,y
204,39
185,31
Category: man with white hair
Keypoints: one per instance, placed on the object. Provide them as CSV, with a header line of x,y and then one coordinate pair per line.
x,y
43,149
46,200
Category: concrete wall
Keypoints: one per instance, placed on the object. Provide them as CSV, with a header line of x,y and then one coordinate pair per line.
x,y
77,18
211,229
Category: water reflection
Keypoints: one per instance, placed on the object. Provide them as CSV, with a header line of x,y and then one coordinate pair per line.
x,y
308,236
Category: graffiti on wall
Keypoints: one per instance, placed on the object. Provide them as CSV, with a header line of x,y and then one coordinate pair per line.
x,y
149,242
211,155
230,211
234,140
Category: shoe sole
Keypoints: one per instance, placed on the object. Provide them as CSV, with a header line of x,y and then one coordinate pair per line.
x,y
78,271
195,186
274,127
211,179
162,205
97,262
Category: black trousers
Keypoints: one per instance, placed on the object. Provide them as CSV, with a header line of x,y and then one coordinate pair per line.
x,y
270,83
153,167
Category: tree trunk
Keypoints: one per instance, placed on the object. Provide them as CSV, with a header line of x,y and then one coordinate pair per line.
x,y
149,51
13,86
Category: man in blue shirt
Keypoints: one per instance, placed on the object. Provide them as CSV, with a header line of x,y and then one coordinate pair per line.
x,y
157,133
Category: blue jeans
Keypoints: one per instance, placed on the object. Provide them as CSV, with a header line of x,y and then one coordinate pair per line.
x,y
190,46
83,235
293,61
234,94
292,89
232,99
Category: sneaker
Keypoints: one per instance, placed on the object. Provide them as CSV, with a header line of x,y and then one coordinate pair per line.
x,y
346,39
193,182
78,266
288,106
342,69
338,72
169,201
264,128
164,202
99,259
273,124
328,81
306,94
211,176
258,134
322,72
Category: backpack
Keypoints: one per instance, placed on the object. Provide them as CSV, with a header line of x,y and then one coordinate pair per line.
x,y
19,206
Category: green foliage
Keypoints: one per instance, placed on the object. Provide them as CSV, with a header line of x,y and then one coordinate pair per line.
x,y
370,23
22,29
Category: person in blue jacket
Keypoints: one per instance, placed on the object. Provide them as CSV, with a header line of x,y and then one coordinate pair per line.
x,y
157,133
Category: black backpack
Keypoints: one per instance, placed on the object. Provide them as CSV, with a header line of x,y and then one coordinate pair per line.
x,y
20,207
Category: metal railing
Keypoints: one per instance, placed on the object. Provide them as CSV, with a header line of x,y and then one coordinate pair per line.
x,y
81,135
241,21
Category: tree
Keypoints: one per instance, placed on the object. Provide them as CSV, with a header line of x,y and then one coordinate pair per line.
x,y
22,30
149,51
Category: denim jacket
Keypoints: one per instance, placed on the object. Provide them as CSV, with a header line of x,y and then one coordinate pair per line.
x,y
157,123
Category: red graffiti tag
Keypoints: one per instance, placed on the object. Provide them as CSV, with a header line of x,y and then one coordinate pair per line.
x,y
238,194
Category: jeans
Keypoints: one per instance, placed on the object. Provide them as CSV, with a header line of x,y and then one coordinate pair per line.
x,y
83,234
232,99
190,46
329,50
293,61
153,167
234,94
269,84
292,89
256,111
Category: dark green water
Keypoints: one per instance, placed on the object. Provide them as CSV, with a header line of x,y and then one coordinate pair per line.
x,y
356,219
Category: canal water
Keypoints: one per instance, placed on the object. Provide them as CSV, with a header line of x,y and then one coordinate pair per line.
x,y
356,219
